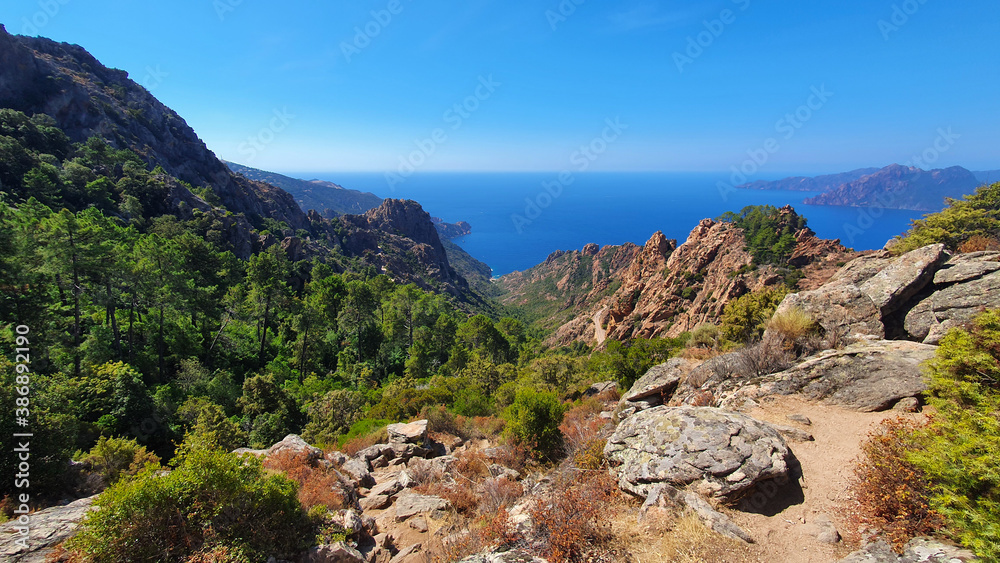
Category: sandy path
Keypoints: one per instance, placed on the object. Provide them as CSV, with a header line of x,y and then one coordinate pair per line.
x,y
827,473
599,333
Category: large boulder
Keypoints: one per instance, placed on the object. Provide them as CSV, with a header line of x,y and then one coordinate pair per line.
x,y
839,307
718,452
409,433
658,382
956,304
48,528
903,278
866,376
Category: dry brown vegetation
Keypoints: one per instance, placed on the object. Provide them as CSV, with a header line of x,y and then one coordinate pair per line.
x,y
318,486
893,494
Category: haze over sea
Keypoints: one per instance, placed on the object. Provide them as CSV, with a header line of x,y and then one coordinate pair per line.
x,y
603,208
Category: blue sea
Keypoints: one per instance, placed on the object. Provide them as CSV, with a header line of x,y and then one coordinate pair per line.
x,y
517,221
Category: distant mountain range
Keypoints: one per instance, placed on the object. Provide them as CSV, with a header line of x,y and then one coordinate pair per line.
x,y
327,198
893,187
807,184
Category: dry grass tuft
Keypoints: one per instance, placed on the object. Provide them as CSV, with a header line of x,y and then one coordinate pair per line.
x,y
661,537
792,325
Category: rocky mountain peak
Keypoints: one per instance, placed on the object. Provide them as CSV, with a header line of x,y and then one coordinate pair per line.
x,y
406,218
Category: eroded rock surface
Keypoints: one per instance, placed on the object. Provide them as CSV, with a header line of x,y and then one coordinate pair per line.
x,y
716,451
867,376
48,528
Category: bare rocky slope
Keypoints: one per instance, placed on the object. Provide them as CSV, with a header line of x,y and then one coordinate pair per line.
x,y
659,289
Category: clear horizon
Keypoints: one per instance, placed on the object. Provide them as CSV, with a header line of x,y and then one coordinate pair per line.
x,y
641,86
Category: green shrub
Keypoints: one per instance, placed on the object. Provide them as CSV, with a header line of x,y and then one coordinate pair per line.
x,y
113,458
769,233
212,501
705,336
363,427
332,415
627,361
976,215
961,454
746,318
208,427
534,419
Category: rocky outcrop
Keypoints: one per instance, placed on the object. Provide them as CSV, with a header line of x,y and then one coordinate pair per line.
x,y
966,285
399,238
718,453
917,296
339,552
656,386
451,230
866,296
48,529
410,504
918,550
408,433
662,289
567,283
866,376
839,308
903,278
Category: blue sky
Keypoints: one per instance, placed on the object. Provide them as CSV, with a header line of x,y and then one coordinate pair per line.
x,y
294,87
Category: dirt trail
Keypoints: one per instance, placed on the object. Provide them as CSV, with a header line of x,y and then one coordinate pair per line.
x,y
599,333
827,472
